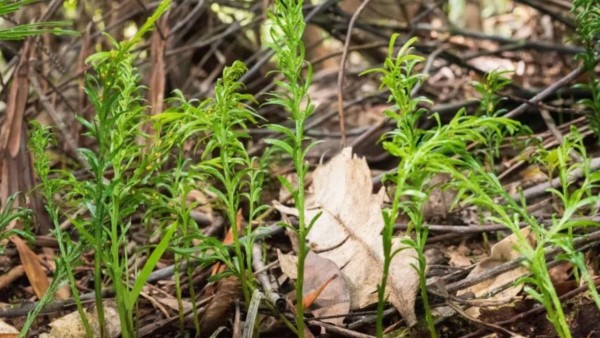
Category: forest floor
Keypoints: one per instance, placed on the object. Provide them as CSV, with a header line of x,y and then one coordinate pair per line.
x,y
473,261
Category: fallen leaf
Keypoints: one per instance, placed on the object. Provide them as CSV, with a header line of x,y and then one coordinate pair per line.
x,y
502,252
348,232
8,331
156,93
323,283
63,292
288,264
223,293
33,269
70,326
325,291
312,296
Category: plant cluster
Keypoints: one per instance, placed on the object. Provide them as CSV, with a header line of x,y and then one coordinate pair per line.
x,y
422,154
120,169
483,189
131,174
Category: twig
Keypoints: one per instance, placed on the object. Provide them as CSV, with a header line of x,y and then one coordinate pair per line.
x,y
263,278
340,82
465,283
340,330
546,92
542,188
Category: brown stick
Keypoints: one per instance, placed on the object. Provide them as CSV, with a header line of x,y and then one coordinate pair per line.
x,y
340,84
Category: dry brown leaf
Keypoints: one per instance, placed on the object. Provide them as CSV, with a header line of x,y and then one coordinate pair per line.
x,y
328,296
8,331
63,292
10,138
223,292
348,233
70,326
288,264
310,298
502,252
561,272
33,269
16,170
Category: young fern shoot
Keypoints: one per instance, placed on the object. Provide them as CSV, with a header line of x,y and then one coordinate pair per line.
x,y
286,32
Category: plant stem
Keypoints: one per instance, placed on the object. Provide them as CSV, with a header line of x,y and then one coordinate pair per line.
x,y
231,215
300,169
98,259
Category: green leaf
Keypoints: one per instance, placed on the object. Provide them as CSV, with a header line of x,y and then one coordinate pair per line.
x,y
149,266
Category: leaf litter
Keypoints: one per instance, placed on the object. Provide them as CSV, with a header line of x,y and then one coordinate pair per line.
x,y
348,232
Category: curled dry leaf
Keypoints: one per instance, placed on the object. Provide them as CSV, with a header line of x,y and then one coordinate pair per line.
x,y
348,232
502,252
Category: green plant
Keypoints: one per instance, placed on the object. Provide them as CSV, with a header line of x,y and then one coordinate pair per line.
x,y
111,202
495,82
40,138
422,154
114,93
286,32
226,116
22,31
588,31
221,124
8,214
483,189
173,207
